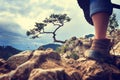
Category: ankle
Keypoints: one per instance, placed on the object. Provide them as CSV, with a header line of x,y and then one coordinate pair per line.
x,y
100,38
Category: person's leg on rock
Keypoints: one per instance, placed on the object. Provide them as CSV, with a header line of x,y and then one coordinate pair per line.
x,y
99,11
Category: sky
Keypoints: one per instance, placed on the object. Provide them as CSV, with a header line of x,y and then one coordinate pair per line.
x,y
19,16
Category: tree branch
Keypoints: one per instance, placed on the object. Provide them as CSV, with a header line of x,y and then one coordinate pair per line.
x,y
57,20
55,40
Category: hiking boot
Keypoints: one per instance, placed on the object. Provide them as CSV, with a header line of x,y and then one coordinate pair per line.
x,y
99,51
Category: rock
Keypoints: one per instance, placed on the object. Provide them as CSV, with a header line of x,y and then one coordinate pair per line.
x,y
2,61
23,70
3,67
75,75
48,74
92,70
37,59
76,45
4,77
117,61
52,54
48,65
70,61
18,59
73,38
116,49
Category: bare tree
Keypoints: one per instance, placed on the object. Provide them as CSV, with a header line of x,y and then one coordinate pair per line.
x,y
58,20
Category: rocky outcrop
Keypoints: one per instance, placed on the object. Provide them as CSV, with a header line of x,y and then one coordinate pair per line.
x,y
74,48
79,45
23,67
67,63
49,65
18,59
48,74
2,61
98,71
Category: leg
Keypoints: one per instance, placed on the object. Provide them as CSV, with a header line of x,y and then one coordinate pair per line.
x,y
100,10
100,13
100,21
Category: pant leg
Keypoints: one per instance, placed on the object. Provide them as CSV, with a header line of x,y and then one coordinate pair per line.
x,y
85,6
91,7
97,6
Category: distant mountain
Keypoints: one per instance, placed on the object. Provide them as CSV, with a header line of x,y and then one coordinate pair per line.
x,y
53,46
89,36
7,51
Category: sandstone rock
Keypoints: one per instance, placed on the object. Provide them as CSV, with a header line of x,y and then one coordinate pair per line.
x,y
49,50
73,38
117,61
76,45
3,66
18,59
2,61
116,49
75,75
22,71
92,70
48,65
52,54
4,77
48,74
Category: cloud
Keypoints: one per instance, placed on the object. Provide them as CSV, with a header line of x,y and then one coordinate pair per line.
x,y
18,16
36,11
115,1
12,6
12,34
9,32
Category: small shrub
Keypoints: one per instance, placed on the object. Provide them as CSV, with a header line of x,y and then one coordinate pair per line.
x,y
61,49
74,56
